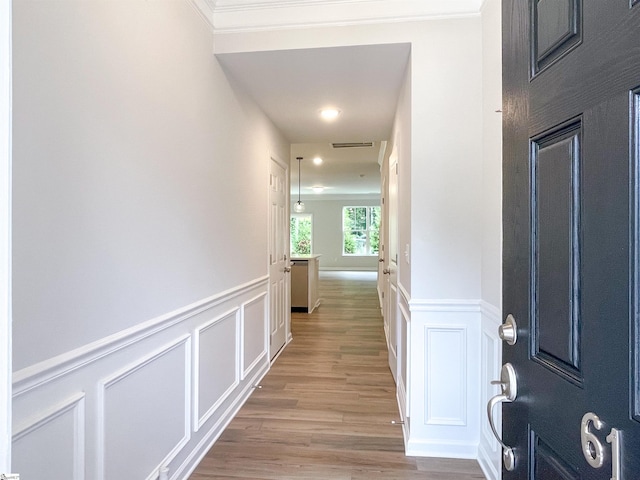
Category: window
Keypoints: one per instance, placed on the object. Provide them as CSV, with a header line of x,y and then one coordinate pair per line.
x,y
360,230
301,234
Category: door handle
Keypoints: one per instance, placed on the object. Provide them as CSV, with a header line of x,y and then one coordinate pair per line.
x,y
509,391
287,269
381,260
508,331
386,271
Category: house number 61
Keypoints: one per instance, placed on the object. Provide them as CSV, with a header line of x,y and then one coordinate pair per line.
x,y
592,447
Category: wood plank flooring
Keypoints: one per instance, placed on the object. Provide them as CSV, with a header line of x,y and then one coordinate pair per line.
x,y
325,408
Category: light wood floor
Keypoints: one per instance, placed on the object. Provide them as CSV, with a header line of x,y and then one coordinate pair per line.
x,y
326,406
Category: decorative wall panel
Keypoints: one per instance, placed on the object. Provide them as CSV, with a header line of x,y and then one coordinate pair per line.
x,y
254,335
216,363
145,413
62,426
446,388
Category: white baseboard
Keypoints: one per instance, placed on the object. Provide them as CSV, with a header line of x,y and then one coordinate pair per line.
x,y
488,466
349,269
442,449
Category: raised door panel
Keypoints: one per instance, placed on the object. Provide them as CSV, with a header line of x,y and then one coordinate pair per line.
x,y
555,315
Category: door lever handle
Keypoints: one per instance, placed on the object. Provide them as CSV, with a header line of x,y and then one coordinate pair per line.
x,y
509,391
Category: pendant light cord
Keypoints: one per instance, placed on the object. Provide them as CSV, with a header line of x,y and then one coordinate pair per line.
x,y
299,161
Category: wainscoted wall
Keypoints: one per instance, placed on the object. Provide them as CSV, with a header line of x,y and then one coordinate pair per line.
x,y
444,382
454,352
404,322
158,395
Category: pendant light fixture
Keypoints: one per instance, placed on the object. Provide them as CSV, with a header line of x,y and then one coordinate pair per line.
x,y
299,206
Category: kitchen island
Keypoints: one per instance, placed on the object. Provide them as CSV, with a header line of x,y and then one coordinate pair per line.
x,y
304,283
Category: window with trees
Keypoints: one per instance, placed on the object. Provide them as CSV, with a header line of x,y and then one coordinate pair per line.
x,y
301,234
360,230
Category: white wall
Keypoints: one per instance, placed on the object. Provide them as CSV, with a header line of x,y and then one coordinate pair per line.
x,y
491,277
446,164
492,153
140,239
5,236
327,233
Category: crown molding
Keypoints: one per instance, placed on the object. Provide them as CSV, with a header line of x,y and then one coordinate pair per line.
x,y
231,16
418,7
205,9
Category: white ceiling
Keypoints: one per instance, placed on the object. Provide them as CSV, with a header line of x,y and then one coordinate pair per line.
x,y
343,171
291,86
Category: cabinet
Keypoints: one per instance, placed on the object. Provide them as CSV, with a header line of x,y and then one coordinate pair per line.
x,y
304,283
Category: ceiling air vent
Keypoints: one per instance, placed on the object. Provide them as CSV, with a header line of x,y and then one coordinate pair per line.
x,y
352,144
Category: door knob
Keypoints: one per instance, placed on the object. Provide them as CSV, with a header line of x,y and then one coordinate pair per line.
x,y
381,260
386,271
508,331
287,269
509,391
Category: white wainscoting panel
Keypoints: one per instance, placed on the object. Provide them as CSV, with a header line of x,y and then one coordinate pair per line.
x,y
216,364
444,380
154,396
254,336
61,427
144,413
489,454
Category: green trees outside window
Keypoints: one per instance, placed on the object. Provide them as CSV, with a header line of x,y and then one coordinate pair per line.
x,y
301,234
360,230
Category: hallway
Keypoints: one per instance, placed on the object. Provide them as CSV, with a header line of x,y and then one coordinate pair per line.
x,y
326,406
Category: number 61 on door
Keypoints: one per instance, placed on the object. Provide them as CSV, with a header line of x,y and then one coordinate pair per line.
x,y
592,447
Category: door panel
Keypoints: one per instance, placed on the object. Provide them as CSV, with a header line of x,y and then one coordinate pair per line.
x,y
548,465
392,264
279,295
555,173
571,72
556,28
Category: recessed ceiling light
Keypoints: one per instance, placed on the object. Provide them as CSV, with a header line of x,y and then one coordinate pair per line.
x,y
317,189
317,160
329,114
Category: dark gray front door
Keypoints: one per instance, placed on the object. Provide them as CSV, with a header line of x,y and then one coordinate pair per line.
x,y
571,113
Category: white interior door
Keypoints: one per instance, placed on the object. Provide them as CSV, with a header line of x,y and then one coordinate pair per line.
x,y
383,279
5,236
391,265
279,280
